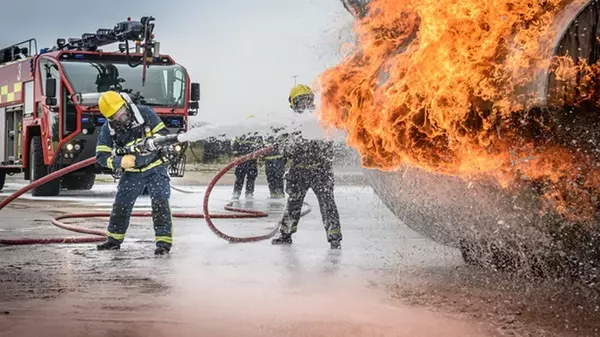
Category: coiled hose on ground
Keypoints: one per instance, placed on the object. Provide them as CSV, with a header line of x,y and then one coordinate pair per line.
x,y
99,235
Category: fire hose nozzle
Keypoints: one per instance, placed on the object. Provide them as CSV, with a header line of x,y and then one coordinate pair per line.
x,y
160,142
150,144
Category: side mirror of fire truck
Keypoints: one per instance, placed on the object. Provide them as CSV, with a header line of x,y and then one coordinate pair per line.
x,y
194,98
193,108
51,92
195,94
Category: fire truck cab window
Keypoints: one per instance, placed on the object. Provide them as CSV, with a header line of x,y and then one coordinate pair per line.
x,y
165,84
174,82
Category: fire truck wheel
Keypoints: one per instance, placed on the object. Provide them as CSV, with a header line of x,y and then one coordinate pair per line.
x,y
79,182
2,179
38,170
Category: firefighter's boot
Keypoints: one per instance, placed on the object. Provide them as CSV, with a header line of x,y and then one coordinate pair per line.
x,y
109,245
161,250
335,244
283,239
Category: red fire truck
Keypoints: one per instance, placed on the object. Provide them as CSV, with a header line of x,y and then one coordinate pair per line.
x,y
45,128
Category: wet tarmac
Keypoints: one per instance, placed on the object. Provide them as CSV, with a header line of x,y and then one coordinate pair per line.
x,y
386,281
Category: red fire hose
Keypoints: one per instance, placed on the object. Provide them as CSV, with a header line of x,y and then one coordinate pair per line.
x,y
239,213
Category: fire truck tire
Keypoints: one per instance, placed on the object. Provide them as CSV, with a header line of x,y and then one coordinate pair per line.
x,y
79,182
2,179
38,170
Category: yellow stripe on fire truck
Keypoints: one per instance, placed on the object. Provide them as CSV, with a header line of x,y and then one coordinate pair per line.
x,y
7,92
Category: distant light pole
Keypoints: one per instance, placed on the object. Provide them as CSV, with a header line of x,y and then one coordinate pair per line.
x,y
295,76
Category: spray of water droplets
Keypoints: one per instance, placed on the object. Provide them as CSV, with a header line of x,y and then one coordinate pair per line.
x,y
265,126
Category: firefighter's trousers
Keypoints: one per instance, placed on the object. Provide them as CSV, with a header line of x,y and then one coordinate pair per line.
x,y
247,170
274,170
129,189
321,181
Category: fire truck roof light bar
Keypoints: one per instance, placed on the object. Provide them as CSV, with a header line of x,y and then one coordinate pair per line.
x,y
122,32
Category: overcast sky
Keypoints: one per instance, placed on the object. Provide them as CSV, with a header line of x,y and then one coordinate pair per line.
x,y
244,53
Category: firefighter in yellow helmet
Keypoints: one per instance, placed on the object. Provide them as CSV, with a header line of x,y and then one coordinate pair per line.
x,y
311,167
128,123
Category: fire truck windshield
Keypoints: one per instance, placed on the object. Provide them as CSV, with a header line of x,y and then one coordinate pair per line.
x,y
165,84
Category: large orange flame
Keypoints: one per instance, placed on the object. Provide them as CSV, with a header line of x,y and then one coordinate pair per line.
x,y
441,85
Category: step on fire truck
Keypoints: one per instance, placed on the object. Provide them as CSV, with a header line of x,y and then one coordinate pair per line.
x,y
45,127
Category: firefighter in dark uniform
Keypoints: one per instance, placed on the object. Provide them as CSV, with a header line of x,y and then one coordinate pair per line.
x,y
311,167
247,170
127,124
275,169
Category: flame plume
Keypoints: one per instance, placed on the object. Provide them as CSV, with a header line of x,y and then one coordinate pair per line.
x,y
443,86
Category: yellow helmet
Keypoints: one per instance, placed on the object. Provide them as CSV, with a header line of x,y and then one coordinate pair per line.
x,y
298,90
301,97
109,103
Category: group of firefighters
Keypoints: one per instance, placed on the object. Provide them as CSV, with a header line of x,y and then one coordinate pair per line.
x,y
310,167
247,171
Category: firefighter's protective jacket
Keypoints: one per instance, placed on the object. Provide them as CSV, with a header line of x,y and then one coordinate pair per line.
x,y
246,144
307,153
276,153
147,125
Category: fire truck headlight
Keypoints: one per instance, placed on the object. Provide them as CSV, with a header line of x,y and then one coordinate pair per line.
x,y
85,131
178,148
77,147
69,147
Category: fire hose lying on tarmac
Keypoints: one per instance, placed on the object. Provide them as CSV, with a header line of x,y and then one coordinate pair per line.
x,y
100,235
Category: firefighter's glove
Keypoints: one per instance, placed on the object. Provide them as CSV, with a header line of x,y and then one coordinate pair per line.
x,y
128,161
